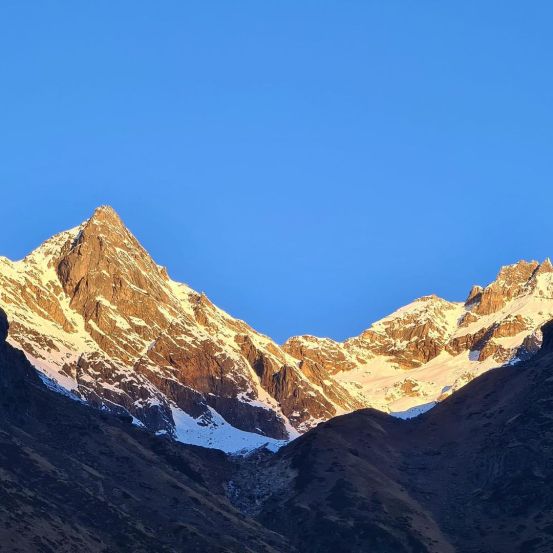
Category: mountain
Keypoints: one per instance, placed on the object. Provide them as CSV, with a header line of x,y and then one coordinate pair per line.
x,y
74,479
472,475
423,352
101,320
105,324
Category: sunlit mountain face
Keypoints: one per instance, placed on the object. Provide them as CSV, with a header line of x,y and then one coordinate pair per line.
x,y
471,475
104,324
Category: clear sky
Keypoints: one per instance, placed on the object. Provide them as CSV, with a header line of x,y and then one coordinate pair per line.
x,y
310,165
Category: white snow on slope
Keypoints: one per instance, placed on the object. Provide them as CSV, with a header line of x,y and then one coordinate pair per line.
x,y
53,346
376,380
219,434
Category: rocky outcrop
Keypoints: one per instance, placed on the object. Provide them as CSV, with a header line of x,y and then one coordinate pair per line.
x,y
321,352
96,314
76,479
438,342
472,475
510,283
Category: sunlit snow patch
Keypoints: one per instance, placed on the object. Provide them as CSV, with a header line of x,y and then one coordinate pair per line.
x,y
219,434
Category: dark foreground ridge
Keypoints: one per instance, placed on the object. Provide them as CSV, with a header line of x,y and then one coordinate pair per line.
x,y
475,474
73,479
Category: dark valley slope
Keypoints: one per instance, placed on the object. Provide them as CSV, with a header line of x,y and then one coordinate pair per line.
x,y
472,475
73,479
475,474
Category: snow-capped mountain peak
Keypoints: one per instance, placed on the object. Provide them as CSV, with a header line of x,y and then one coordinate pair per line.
x,y
103,322
100,318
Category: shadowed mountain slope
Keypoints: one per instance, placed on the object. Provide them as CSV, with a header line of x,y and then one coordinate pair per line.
x,y
473,475
73,479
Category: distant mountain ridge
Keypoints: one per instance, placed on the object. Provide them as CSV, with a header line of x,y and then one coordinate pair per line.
x,y
426,350
104,323
473,475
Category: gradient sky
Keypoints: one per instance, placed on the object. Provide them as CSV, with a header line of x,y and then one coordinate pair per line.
x,y
310,165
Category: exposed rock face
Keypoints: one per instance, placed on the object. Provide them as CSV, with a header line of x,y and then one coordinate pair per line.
x,y
79,480
94,312
475,294
320,351
510,283
473,475
438,342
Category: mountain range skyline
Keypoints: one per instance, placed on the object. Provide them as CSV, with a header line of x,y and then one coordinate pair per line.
x,y
104,323
315,175
470,476
460,297
23,242
276,277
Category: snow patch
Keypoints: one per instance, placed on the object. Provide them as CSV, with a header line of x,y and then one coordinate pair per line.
x,y
219,434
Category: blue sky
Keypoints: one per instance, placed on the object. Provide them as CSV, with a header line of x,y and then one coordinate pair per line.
x,y
310,165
